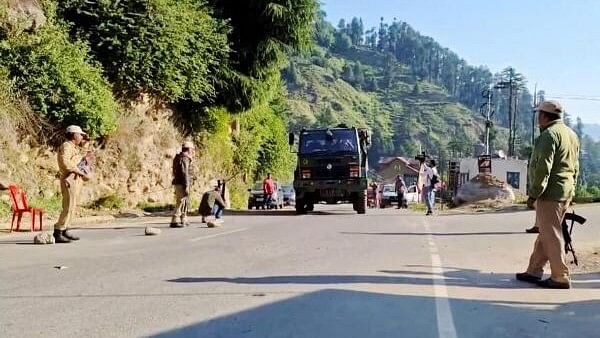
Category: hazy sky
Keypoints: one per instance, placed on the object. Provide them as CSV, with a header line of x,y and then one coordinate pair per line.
x,y
554,43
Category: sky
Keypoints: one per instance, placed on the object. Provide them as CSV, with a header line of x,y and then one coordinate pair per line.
x,y
554,43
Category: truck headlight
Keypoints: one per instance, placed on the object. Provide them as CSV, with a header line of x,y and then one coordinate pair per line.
x,y
305,173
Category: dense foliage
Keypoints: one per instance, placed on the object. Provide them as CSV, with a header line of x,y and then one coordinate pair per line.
x,y
423,59
59,80
171,49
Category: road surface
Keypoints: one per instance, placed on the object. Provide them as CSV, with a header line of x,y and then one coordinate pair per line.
x,y
329,274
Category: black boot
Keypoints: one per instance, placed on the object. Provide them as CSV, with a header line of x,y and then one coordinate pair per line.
x,y
68,235
59,238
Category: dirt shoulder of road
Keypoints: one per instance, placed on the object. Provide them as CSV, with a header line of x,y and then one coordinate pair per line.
x,y
589,261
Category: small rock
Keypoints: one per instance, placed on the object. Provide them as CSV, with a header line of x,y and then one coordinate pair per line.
x,y
150,231
214,224
44,238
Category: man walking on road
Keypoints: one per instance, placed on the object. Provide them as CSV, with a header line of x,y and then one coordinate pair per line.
x,y
554,169
182,182
71,177
400,188
431,179
268,190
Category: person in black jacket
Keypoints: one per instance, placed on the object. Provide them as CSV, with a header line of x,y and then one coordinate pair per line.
x,y
182,182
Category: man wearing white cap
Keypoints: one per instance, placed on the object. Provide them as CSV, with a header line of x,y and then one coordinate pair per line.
x,y
553,174
71,177
182,181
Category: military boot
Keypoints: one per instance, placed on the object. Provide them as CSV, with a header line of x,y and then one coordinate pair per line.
x,y
68,235
59,238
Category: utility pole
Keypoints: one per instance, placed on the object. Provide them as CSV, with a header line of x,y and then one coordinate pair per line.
x,y
535,104
488,107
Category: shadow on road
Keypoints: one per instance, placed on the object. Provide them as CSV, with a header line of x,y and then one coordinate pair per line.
x,y
286,212
490,233
333,313
452,277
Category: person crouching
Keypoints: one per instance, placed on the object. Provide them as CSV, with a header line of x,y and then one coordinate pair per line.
x,y
212,204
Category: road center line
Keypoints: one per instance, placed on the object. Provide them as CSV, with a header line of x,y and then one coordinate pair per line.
x,y
217,235
445,321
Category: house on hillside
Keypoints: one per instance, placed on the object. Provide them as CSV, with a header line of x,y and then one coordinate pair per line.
x,y
390,167
511,171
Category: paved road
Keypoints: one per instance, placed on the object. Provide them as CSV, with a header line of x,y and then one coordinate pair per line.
x,y
330,274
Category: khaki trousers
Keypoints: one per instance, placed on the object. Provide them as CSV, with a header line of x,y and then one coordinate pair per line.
x,y
70,197
181,204
550,242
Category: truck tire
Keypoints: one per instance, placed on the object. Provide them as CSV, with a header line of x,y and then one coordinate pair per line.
x,y
300,208
361,203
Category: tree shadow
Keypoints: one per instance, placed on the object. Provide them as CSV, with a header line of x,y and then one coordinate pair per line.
x,y
490,233
451,277
334,313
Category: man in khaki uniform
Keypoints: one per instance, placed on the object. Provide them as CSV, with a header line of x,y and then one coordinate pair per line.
x,y
71,177
554,169
182,182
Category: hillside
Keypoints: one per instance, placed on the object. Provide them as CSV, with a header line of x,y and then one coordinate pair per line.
x,y
592,130
405,116
155,74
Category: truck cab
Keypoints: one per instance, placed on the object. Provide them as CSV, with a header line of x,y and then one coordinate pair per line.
x,y
332,168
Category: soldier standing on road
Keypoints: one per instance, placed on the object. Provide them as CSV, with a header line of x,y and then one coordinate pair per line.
x,y
554,170
71,177
268,190
182,182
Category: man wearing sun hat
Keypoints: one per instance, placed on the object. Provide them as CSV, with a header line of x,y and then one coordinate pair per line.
x,y
182,182
553,174
71,177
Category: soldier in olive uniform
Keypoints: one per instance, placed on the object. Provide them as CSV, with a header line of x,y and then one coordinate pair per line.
x,y
71,177
182,182
554,169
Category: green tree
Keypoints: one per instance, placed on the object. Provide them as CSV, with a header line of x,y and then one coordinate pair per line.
x,y
174,50
359,75
343,42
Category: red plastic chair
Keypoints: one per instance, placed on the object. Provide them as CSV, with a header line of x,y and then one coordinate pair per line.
x,y
20,207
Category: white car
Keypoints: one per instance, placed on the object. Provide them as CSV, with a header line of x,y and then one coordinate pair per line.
x,y
389,196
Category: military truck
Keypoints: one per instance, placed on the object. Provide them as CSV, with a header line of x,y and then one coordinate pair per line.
x,y
332,167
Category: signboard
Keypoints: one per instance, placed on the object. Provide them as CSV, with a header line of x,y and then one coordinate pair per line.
x,y
484,163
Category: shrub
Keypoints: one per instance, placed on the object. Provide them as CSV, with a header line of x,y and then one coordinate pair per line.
x,y
110,202
59,82
172,49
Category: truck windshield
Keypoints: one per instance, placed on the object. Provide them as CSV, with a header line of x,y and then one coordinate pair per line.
x,y
338,141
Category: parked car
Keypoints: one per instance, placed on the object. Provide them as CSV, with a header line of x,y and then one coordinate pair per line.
x,y
389,195
289,195
412,195
257,197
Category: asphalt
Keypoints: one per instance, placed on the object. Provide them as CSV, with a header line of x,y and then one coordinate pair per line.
x,y
274,274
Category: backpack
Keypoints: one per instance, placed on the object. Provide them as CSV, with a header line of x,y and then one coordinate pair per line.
x,y
435,180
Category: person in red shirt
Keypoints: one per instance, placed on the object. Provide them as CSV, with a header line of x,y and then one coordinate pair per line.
x,y
268,190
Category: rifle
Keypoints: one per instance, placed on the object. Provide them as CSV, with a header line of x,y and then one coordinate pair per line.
x,y
568,231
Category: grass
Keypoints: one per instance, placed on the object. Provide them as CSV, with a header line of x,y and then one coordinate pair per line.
x,y
110,202
418,207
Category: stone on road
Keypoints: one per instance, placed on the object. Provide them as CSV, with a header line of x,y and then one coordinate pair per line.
x,y
330,274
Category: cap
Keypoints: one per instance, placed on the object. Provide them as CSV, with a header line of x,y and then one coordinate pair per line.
x,y
75,130
188,144
552,107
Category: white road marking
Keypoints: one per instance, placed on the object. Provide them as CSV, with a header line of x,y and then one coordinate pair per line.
x,y
445,321
217,235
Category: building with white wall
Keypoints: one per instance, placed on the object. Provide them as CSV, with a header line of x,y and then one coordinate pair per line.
x,y
511,171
